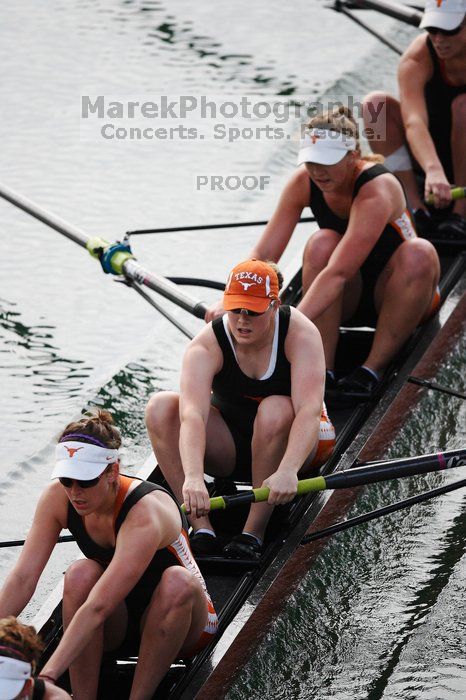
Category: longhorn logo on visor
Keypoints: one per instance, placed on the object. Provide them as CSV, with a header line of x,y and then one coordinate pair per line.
x,y
72,450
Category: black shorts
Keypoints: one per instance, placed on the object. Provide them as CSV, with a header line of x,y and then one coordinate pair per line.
x,y
240,423
365,314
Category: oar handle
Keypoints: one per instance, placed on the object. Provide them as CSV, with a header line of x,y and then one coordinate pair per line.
x,y
360,475
259,495
456,193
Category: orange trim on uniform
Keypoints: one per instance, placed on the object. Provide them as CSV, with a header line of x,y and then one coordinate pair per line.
x,y
434,306
125,483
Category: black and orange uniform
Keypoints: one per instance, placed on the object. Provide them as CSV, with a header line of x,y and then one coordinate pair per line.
x,y
439,93
178,553
392,236
238,396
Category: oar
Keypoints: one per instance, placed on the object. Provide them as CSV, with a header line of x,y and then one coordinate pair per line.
x,y
115,258
19,543
340,7
208,227
456,193
361,475
391,9
385,510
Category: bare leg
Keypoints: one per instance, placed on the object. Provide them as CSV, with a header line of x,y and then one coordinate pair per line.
x,y
403,294
163,425
458,148
80,578
316,256
385,132
272,426
173,622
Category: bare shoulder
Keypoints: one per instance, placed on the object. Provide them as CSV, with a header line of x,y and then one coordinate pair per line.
x,y
297,189
415,58
301,328
204,346
378,189
155,513
52,692
53,503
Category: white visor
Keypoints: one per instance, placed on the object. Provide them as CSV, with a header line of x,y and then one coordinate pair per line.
x,y
325,147
443,14
13,675
79,460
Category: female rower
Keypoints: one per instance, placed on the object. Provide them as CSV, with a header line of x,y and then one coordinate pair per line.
x,y
366,265
250,407
138,585
20,649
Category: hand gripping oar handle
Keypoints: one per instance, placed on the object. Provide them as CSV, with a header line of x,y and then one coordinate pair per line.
x,y
456,193
367,473
119,259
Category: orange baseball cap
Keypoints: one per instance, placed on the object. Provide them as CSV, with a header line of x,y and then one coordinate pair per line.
x,y
252,285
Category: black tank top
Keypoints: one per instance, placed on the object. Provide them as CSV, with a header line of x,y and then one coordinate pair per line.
x,y
439,94
232,389
39,689
161,560
392,236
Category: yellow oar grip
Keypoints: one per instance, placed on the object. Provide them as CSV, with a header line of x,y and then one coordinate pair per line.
x,y
456,193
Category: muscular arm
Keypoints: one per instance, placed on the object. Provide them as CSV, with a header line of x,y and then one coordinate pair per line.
x,y
305,353
202,360
414,71
138,540
371,210
49,519
278,231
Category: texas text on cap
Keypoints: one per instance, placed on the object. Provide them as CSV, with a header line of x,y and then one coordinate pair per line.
x,y
13,675
252,285
79,460
443,14
325,147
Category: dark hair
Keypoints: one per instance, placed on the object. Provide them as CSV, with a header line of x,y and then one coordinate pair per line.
x,y
99,425
19,641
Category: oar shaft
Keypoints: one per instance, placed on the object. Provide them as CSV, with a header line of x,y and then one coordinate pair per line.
x,y
55,222
391,9
130,268
167,289
396,469
362,475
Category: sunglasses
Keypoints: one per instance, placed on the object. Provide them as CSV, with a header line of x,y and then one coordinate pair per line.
x,y
444,32
248,312
67,482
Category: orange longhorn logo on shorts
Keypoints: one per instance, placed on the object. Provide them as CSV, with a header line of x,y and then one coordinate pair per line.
x,y
73,450
439,3
314,137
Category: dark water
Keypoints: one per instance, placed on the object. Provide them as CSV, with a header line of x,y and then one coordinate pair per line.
x,y
71,338
382,613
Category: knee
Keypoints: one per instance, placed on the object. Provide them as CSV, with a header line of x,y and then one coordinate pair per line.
x,y
274,417
458,111
419,260
319,248
162,412
80,578
177,589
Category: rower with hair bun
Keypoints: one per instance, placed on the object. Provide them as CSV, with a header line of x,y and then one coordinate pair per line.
x,y
20,649
365,266
422,135
138,587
